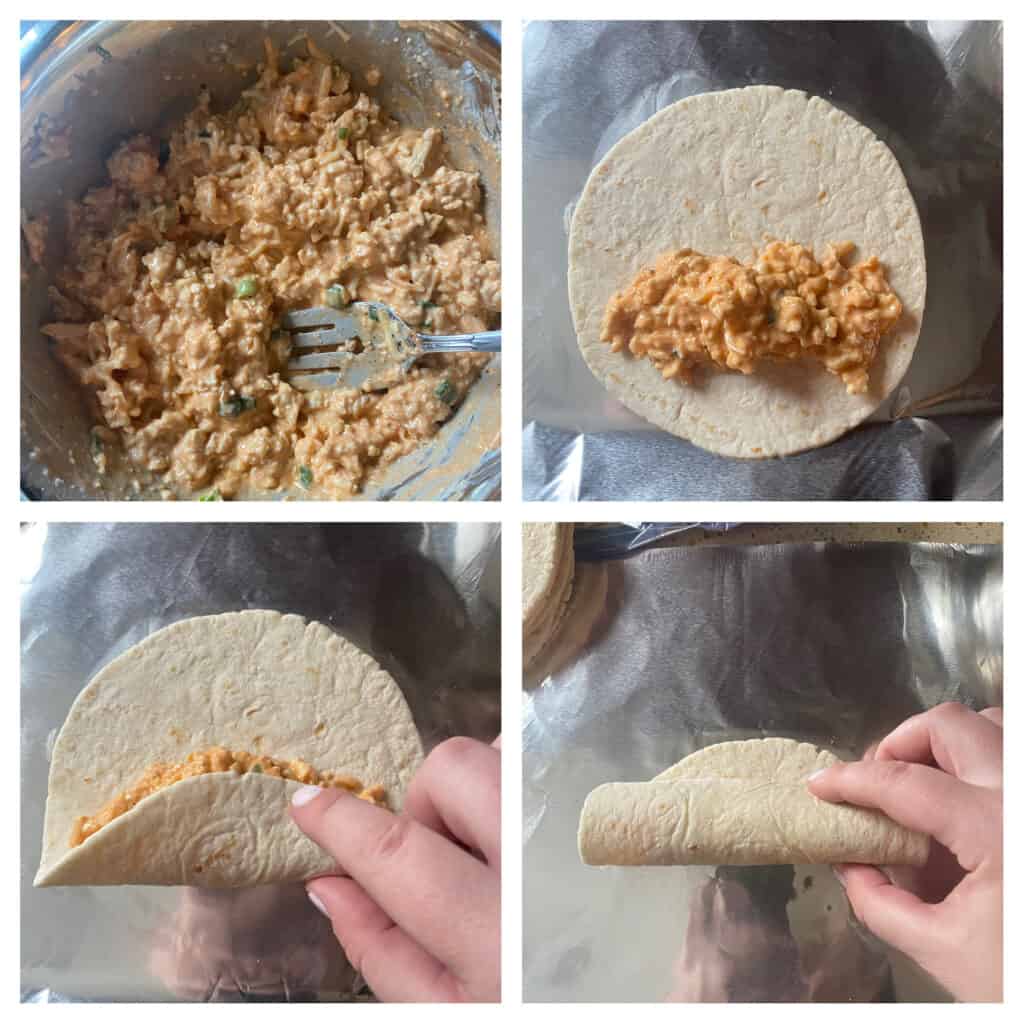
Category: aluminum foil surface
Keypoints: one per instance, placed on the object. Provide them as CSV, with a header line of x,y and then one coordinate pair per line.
x,y
422,599
824,642
932,91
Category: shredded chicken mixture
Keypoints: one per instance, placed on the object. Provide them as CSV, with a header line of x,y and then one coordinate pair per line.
x,y
304,194
692,309
218,759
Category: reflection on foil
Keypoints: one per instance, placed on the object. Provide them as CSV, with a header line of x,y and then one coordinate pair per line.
x,y
423,599
951,457
932,91
825,642
263,943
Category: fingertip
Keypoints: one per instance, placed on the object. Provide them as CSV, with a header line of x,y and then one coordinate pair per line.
x,y
316,901
859,875
304,795
308,804
821,783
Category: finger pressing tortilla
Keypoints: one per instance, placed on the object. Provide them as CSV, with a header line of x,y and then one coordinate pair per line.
x,y
953,738
421,880
397,968
918,797
458,791
735,821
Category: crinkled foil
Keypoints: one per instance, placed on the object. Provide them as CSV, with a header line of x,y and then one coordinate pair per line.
x,y
422,599
830,643
932,91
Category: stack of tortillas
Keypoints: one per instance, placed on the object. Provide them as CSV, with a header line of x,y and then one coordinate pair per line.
x,y
548,566
743,802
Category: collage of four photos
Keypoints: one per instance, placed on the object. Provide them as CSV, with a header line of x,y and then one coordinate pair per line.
x,y
265,751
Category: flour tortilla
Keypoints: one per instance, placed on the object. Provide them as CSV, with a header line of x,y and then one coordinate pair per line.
x,y
545,549
256,680
738,803
582,610
720,173
774,758
548,570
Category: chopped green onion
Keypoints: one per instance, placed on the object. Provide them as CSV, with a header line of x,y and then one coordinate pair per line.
x,y
95,443
372,314
427,304
305,477
236,405
246,288
342,133
214,495
257,768
446,392
336,297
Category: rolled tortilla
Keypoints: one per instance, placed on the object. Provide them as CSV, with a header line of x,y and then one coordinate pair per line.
x,y
257,681
735,821
743,802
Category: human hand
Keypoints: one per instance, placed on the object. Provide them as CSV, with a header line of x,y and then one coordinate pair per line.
x,y
940,773
420,914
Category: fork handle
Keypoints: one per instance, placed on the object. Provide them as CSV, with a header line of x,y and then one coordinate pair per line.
x,y
485,341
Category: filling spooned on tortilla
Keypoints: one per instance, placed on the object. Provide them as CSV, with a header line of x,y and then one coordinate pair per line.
x,y
218,759
691,310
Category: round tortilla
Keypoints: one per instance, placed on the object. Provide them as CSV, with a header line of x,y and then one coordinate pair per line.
x,y
256,680
740,803
722,172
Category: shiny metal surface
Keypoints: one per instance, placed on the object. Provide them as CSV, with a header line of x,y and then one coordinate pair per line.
x,y
422,599
932,91
832,643
365,343
152,70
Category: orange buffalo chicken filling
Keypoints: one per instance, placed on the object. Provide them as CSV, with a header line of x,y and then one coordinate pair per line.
x,y
218,759
691,310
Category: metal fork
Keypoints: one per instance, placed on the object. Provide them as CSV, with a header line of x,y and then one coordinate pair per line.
x,y
366,345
